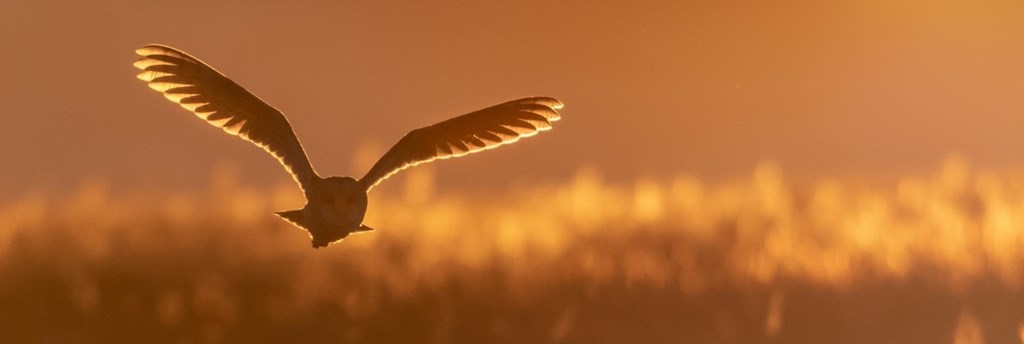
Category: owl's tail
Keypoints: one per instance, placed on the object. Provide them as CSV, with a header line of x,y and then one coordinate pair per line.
x,y
296,217
321,236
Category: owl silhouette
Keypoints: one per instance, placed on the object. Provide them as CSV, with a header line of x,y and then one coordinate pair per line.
x,y
335,206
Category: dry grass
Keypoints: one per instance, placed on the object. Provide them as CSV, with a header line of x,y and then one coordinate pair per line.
x,y
927,259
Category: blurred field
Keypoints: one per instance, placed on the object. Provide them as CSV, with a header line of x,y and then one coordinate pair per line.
x,y
933,258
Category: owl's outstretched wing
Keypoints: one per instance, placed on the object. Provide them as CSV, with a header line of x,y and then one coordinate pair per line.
x,y
473,132
199,88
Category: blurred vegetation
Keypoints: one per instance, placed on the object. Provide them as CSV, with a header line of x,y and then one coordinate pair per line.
x,y
926,259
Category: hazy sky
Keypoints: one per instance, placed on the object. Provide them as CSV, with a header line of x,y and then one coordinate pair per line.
x,y
651,88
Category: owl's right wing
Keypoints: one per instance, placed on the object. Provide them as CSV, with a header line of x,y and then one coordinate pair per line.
x,y
199,88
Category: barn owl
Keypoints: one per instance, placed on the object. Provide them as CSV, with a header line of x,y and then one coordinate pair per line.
x,y
335,206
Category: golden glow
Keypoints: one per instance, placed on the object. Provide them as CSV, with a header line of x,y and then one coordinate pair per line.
x,y
968,331
667,100
959,224
953,228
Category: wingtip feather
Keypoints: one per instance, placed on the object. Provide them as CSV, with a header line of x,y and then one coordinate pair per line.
x,y
547,101
162,50
557,104
151,49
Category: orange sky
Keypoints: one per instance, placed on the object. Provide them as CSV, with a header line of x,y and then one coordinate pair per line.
x,y
651,88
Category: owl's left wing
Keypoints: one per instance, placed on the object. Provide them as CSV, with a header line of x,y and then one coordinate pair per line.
x,y
473,132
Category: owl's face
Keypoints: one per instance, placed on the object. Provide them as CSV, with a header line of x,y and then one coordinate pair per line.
x,y
343,202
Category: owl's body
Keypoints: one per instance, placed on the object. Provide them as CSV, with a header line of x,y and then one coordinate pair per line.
x,y
335,206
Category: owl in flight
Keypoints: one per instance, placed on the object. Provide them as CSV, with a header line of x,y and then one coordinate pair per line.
x,y
335,206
